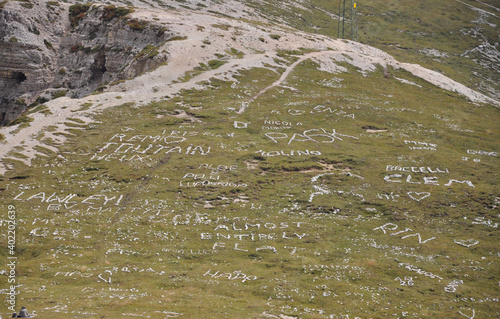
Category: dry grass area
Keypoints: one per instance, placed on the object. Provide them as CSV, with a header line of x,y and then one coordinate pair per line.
x,y
264,172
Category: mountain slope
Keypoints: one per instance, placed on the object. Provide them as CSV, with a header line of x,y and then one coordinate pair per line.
x,y
262,172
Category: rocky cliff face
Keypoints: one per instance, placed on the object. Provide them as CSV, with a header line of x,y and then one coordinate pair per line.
x,y
51,49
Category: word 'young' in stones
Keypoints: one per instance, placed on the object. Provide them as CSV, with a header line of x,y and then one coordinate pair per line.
x,y
312,135
421,145
393,227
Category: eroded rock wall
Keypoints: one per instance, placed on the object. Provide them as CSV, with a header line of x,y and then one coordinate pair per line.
x,y
49,49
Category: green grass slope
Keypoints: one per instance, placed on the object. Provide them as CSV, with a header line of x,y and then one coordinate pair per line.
x,y
457,38
333,195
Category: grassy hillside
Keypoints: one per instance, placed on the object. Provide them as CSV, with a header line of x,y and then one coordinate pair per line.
x,y
347,194
458,38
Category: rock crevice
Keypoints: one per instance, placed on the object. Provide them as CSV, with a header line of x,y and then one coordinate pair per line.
x,y
47,51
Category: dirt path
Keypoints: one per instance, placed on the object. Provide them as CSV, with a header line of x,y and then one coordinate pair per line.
x,y
277,83
257,48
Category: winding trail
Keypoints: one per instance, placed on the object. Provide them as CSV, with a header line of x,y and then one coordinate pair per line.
x,y
185,56
278,82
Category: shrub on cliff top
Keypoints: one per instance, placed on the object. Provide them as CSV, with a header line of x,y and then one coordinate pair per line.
x,y
2,4
138,25
77,12
111,12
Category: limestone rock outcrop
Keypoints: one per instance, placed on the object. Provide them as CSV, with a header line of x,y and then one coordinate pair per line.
x,y
51,49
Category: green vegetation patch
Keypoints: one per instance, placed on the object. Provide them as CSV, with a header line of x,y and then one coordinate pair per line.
x,y
111,12
77,12
137,24
149,51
